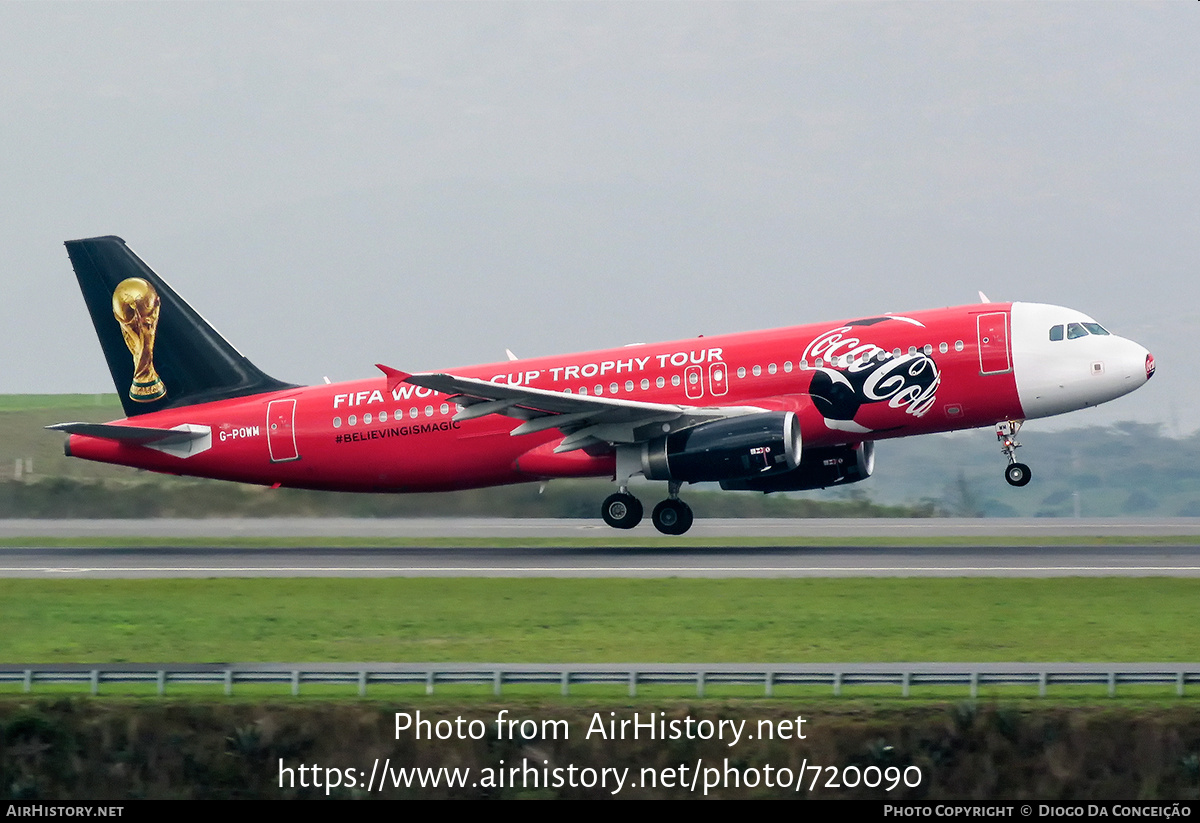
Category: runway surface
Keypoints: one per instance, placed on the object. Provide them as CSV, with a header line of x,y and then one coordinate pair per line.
x,y
842,561
501,527
614,554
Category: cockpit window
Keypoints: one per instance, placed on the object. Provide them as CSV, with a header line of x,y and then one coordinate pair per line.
x,y
1075,330
1056,333
1095,328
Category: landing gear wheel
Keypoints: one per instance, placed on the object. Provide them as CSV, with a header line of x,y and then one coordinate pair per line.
x,y
621,510
672,517
685,522
1017,474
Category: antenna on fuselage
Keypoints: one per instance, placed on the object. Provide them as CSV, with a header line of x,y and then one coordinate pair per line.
x,y
983,298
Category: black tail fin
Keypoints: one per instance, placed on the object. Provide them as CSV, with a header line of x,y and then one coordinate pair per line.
x,y
161,353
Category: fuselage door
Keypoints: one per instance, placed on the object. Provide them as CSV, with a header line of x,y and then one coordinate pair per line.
x,y
281,431
693,382
993,343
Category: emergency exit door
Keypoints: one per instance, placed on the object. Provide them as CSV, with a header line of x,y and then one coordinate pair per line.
x,y
281,431
993,343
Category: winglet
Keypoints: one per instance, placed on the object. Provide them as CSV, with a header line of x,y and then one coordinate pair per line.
x,y
394,376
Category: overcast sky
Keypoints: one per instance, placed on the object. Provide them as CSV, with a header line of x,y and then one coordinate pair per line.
x,y
426,184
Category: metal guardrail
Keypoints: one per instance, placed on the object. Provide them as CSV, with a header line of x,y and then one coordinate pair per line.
x,y
837,677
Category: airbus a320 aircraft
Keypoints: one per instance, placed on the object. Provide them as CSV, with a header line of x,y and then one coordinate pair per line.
x,y
779,410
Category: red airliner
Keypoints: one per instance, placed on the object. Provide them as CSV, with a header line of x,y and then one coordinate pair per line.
x,y
779,410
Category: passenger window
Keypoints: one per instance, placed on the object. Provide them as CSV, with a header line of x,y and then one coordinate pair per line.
x,y
1056,333
1075,330
943,348
958,345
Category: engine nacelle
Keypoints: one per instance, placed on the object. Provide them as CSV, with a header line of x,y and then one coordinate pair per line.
x,y
755,445
818,469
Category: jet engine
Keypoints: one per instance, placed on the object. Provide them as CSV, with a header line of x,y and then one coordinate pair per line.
x,y
818,469
755,446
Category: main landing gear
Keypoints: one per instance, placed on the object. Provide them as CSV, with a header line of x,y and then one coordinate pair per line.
x,y
1017,474
621,510
672,516
624,511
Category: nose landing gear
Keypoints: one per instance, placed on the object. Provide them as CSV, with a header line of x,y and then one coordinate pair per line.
x,y
1017,474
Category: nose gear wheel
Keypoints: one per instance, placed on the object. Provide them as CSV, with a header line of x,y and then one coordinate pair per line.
x,y
1017,474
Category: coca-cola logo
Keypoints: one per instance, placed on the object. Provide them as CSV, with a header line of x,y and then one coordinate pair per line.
x,y
841,344
861,372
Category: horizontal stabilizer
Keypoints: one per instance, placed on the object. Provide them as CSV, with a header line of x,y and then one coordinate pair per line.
x,y
132,434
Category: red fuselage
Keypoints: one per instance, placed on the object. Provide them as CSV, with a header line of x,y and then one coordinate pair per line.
x,y
948,369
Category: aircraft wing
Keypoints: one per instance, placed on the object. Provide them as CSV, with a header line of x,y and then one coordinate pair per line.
x,y
585,420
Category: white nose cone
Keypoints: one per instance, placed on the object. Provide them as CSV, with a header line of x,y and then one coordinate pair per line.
x,y
1064,360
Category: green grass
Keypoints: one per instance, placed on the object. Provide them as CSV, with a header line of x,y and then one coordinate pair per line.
x,y
600,620
23,436
65,402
